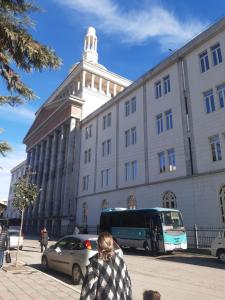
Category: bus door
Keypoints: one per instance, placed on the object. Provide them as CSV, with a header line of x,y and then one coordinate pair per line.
x,y
156,225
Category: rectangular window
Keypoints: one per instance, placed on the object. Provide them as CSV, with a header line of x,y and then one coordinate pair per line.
x,y
133,105
209,102
104,122
166,82
127,171
204,61
108,147
158,89
134,170
86,180
133,136
88,131
162,162
109,119
104,149
215,147
127,138
89,155
105,177
171,160
221,94
127,108
85,157
159,124
216,54
169,119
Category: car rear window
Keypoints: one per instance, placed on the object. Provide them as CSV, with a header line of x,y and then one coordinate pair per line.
x,y
14,233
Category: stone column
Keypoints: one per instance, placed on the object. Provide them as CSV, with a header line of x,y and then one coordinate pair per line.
x,y
100,85
92,81
49,196
83,78
66,196
45,179
107,87
114,89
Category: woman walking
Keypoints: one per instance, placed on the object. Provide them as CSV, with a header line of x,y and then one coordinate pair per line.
x,y
107,276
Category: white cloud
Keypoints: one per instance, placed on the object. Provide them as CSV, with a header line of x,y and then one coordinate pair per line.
x,y
136,26
7,163
18,114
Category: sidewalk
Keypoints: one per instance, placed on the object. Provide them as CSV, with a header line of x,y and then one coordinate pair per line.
x,y
27,283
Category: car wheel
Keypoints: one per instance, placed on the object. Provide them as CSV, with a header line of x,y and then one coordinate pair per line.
x,y
221,256
21,247
44,262
76,274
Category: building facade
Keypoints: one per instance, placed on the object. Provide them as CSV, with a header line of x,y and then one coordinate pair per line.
x,y
101,141
16,173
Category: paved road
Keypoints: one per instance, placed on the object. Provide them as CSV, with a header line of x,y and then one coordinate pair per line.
x,y
179,276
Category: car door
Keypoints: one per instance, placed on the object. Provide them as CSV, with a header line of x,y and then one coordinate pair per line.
x,y
72,253
56,257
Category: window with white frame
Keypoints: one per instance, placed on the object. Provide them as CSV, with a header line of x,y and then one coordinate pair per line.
x,y
106,121
169,200
133,136
171,159
86,180
209,101
133,105
169,119
106,148
204,61
166,83
215,147
105,204
162,162
127,108
131,170
84,212
221,95
105,177
127,138
88,132
87,156
131,202
216,54
158,89
159,123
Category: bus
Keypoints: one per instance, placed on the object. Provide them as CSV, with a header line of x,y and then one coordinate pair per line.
x,y
132,228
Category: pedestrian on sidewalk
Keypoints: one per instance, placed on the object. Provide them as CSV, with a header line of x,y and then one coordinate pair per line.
x,y
106,276
4,242
43,239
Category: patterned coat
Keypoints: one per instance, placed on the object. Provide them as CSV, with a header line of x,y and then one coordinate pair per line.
x,y
106,280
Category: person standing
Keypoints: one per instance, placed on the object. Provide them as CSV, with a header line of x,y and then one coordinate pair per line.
x,y
155,240
4,242
44,239
107,275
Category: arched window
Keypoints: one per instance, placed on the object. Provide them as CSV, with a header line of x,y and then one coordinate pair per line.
x,y
169,200
222,203
131,202
105,204
84,213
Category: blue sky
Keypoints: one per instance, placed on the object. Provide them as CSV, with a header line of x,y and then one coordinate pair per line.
x,y
133,36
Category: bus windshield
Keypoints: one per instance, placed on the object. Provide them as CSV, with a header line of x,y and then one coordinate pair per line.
x,y
172,218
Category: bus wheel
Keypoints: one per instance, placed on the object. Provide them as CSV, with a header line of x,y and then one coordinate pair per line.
x,y
147,249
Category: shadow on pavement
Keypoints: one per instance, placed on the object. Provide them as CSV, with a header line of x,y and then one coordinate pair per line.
x,y
209,262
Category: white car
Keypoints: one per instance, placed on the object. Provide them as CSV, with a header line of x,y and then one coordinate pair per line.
x,y
71,254
218,246
14,238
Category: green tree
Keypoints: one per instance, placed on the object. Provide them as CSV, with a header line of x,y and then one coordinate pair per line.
x,y
19,50
25,193
4,146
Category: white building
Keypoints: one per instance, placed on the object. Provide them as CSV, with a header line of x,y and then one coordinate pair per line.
x,y
16,173
158,142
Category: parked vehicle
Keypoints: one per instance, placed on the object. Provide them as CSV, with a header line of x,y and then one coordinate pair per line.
x,y
134,227
71,254
218,246
14,238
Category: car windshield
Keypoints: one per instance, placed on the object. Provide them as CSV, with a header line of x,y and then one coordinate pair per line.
x,y
172,218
